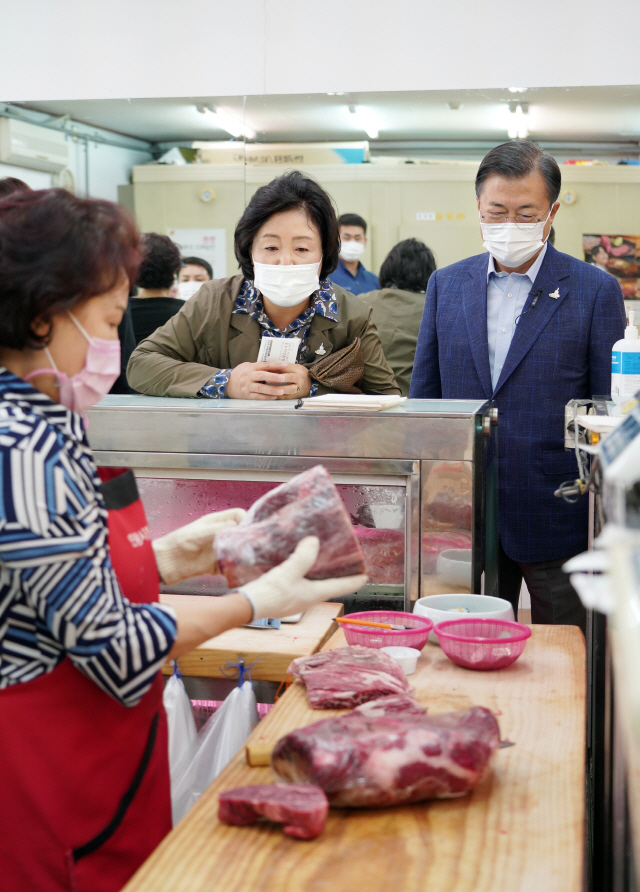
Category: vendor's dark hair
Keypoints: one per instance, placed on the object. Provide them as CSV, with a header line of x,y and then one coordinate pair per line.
x,y
11,185
407,266
352,220
198,261
286,193
161,261
519,158
57,250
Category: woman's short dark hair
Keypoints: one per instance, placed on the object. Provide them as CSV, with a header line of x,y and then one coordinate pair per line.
x,y
161,261
519,158
198,261
595,251
289,192
10,185
407,266
57,250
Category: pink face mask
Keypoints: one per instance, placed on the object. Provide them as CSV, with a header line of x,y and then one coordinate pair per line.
x,y
94,380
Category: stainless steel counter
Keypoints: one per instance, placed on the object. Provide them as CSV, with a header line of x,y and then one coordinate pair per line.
x,y
415,478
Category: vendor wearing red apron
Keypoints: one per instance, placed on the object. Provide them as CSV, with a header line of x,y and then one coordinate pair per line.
x,y
84,780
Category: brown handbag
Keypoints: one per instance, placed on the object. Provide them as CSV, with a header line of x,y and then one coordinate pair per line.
x,y
342,370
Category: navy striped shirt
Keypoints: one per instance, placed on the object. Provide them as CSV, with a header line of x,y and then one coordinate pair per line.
x,y
59,595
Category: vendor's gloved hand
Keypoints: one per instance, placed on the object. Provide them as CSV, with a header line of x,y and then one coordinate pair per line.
x,y
284,590
188,551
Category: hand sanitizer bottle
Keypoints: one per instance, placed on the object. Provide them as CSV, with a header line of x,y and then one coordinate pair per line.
x,y
625,364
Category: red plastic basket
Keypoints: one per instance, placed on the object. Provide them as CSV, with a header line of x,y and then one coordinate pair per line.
x,y
415,637
482,643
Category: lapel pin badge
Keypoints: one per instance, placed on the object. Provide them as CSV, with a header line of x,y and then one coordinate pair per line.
x,y
321,351
555,294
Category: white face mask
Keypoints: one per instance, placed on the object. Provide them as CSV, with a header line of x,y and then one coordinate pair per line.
x,y
286,286
351,250
188,289
512,244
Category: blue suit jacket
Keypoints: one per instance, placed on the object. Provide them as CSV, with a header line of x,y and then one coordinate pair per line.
x,y
561,350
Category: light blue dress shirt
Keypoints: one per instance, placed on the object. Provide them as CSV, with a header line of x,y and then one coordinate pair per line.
x,y
506,297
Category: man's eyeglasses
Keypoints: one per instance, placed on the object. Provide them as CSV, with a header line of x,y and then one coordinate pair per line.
x,y
522,221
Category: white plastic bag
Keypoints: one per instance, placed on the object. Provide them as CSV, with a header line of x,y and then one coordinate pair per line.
x,y
216,744
182,726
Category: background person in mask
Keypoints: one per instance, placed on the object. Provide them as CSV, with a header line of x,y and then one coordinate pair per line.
x,y
193,273
153,304
83,732
350,273
529,328
286,243
397,306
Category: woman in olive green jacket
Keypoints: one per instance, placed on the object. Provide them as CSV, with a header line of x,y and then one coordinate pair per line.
x,y
397,307
286,243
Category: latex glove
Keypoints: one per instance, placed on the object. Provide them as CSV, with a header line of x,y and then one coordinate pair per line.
x,y
283,590
188,551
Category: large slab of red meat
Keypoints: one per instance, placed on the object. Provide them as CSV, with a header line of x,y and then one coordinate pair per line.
x,y
308,505
300,807
390,760
344,677
383,552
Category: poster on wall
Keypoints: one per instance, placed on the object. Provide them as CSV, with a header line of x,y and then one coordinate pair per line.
x,y
208,244
618,255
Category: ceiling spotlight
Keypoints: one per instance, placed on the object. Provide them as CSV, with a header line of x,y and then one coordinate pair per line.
x,y
518,126
517,89
226,121
454,106
365,120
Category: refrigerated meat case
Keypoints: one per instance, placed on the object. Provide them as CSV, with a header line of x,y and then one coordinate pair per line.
x,y
418,480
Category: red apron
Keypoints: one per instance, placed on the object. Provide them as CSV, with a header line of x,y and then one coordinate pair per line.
x,y
84,780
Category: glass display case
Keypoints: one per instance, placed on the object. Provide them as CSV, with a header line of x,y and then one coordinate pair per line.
x,y
418,480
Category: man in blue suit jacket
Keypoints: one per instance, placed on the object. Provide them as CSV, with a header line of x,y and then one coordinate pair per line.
x,y
529,328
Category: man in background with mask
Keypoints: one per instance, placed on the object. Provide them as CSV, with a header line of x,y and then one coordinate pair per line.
x,y
350,274
192,276
528,328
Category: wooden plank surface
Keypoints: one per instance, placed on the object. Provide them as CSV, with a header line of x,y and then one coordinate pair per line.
x,y
272,648
521,830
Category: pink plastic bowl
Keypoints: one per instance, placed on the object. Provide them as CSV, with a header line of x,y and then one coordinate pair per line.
x,y
415,637
482,643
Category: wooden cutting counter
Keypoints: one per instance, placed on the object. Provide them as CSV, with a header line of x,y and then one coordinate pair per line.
x,y
272,650
521,830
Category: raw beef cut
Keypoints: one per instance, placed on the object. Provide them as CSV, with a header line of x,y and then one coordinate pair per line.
x,y
308,505
435,542
395,759
383,552
300,807
344,677
402,704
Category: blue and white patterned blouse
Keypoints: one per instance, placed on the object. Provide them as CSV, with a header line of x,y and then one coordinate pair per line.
x,y
59,595
249,302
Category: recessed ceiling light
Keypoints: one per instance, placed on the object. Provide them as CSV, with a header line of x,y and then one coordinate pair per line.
x,y
517,89
364,119
226,121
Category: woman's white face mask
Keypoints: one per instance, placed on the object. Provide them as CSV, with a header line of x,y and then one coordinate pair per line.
x,y
512,244
286,286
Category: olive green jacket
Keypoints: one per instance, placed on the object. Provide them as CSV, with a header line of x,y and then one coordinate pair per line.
x,y
397,314
205,336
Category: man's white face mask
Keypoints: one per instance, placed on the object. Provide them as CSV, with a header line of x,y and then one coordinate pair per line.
x,y
351,250
512,244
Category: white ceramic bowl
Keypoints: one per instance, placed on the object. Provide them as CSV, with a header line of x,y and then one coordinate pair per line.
x,y
438,608
454,566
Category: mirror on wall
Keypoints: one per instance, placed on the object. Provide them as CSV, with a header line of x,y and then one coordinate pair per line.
x,y
404,161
